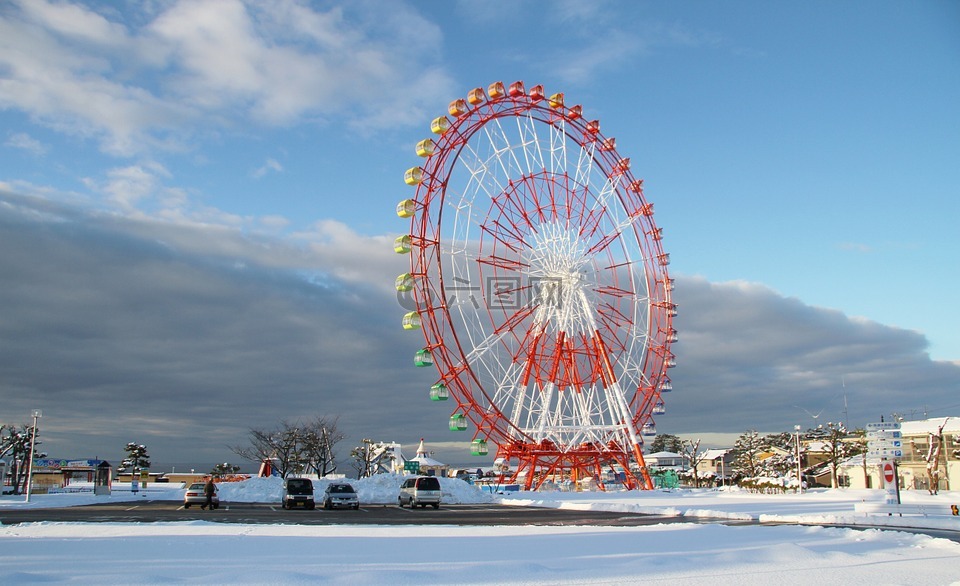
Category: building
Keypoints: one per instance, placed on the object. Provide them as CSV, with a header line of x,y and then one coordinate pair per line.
x,y
920,442
428,466
716,466
57,475
670,460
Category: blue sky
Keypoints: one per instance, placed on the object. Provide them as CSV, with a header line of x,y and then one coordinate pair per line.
x,y
238,166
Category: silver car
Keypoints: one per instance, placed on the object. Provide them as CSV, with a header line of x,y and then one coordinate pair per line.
x,y
422,490
340,495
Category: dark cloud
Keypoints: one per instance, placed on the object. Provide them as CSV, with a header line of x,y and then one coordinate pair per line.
x,y
748,358
122,339
120,333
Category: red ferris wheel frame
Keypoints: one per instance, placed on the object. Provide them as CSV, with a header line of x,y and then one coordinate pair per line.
x,y
576,339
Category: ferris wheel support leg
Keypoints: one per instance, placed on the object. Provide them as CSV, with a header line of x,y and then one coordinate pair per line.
x,y
531,468
599,472
645,481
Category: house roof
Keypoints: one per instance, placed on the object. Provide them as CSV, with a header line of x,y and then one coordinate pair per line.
x,y
664,455
925,426
423,456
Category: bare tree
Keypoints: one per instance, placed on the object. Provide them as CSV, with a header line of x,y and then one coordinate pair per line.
x,y
691,451
862,444
295,448
836,446
320,437
277,445
364,458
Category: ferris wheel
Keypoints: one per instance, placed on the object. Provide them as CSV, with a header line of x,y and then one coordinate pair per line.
x,y
540,284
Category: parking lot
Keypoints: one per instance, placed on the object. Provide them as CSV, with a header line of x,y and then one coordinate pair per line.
x,y
272,513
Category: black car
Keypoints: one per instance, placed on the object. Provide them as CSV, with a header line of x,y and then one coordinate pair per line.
x,y
297,492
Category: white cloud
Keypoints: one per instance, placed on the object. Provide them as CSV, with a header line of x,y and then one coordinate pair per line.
x,y
855,247
26,142
202,65
268,165
74,21
127,185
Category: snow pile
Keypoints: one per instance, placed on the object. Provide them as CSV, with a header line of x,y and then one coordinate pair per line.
x,y
381,489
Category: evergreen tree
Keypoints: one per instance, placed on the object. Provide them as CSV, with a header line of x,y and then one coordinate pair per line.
x,y
137,458
16,442
746,454
782,460
666,442
225,469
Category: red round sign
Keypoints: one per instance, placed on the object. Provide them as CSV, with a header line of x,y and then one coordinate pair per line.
x,y
887,468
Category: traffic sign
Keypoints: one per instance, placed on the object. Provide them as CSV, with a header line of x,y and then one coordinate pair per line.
x,y
884,434
884,443
883,425
885,453
888,473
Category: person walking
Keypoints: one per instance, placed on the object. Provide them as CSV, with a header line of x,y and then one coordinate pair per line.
x,y
208,491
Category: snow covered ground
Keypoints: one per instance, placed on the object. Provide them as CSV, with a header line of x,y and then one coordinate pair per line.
x,y
207,552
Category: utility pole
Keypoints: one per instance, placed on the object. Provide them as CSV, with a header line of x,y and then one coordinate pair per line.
x,y
796,428
37,414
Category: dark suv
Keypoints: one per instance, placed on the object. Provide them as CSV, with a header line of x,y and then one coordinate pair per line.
x,y
298,492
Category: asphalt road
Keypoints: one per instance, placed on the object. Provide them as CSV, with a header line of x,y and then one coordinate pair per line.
x,y
267,513
148,511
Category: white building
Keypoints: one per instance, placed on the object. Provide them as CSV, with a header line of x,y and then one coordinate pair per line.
x,y
716,465
670,460
428,466
920,440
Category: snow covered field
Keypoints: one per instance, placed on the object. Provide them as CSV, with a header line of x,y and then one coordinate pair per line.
x,y
207,552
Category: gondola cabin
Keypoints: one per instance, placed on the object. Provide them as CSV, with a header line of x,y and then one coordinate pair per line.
x,y
439,392
476,97
402,244
411,321
478,447
458,422
413,176
407,208
440,125
426,147
423,358
404,282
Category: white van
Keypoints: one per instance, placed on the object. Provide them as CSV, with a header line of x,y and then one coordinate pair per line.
x,y
422,490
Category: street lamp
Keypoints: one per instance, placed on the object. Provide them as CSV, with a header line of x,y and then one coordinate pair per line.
x,y
796,428
36,414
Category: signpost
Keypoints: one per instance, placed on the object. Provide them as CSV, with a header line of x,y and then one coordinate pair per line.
x,y
885,441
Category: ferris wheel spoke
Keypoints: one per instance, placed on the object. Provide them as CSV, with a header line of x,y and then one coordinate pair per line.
x,y
585,162
529,144
505,155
